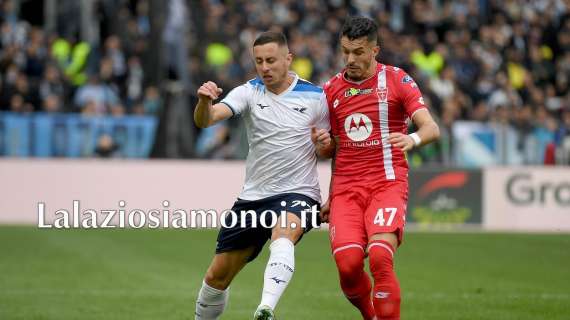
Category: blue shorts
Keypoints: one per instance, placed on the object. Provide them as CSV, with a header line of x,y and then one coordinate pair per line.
x,y
244,236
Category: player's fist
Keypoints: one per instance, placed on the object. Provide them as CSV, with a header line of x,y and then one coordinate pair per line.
x,y
209,91
402,141
325,212
321,137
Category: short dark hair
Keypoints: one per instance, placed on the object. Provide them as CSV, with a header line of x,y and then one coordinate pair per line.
x,y
357,27
269,37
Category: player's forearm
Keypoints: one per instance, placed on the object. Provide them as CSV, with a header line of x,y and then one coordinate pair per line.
x,y
332,177
427,133
203,113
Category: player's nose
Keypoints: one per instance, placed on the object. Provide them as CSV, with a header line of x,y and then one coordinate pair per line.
x,y
350,59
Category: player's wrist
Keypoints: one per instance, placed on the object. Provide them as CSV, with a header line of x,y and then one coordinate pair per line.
x,y
416,139
204,100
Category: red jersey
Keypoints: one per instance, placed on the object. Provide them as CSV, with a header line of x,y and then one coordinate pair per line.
x,y
363,114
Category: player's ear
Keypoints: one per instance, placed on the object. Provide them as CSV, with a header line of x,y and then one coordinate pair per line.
x,y
376,50
289,58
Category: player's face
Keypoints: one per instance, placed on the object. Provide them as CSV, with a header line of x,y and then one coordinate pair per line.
x,y
272,63
358,55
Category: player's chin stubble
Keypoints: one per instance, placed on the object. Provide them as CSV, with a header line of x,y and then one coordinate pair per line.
x,y
354,75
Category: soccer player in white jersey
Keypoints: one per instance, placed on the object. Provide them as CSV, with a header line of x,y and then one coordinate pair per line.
x,y
280,110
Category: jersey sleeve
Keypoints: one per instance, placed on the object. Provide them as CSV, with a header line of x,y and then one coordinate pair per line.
x,y
322,116
238,100
410,95
325,100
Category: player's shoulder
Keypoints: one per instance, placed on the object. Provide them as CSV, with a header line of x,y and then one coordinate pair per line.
x,y
398,73
306,86
254,84
304,90
400,76
333,82
393,71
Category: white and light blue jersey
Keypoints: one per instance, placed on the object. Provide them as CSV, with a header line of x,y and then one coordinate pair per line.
x,y
281,155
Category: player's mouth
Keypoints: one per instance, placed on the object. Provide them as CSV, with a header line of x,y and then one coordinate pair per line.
x,y
267,78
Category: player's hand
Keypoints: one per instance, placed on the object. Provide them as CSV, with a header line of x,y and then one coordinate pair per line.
x,y
325,212
209,91
320,137
402,141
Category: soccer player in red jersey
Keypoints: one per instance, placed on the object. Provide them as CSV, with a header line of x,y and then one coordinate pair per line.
x,y
369,105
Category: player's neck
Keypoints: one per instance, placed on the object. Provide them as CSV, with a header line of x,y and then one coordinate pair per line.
x,y
372,70
283,86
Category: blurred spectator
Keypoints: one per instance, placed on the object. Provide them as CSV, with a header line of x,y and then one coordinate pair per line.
x,y
21,86
72,56
18,104
562,138
563,130
36,54
52,84
52,103
98,93
117,110
152,102
444,87
106,147
545,127
8,13
134,81
114,53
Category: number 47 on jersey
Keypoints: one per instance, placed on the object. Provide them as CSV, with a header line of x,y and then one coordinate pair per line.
x,y
380,218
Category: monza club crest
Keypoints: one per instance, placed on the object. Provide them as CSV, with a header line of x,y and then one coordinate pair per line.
x,y
358,127
383,94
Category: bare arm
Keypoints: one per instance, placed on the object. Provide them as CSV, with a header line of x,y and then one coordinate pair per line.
x,y
428,131
205,113
325,210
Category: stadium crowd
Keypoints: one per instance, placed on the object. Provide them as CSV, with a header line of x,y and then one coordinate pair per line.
x,y
59,72
500,61
505,62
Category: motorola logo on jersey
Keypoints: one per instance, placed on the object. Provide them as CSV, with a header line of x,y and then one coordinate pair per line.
x,y
358,127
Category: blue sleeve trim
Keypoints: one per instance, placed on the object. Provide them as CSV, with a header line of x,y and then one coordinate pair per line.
x,y
256,82
306,86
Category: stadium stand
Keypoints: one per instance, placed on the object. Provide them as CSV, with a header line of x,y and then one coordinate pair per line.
x,y
502,64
